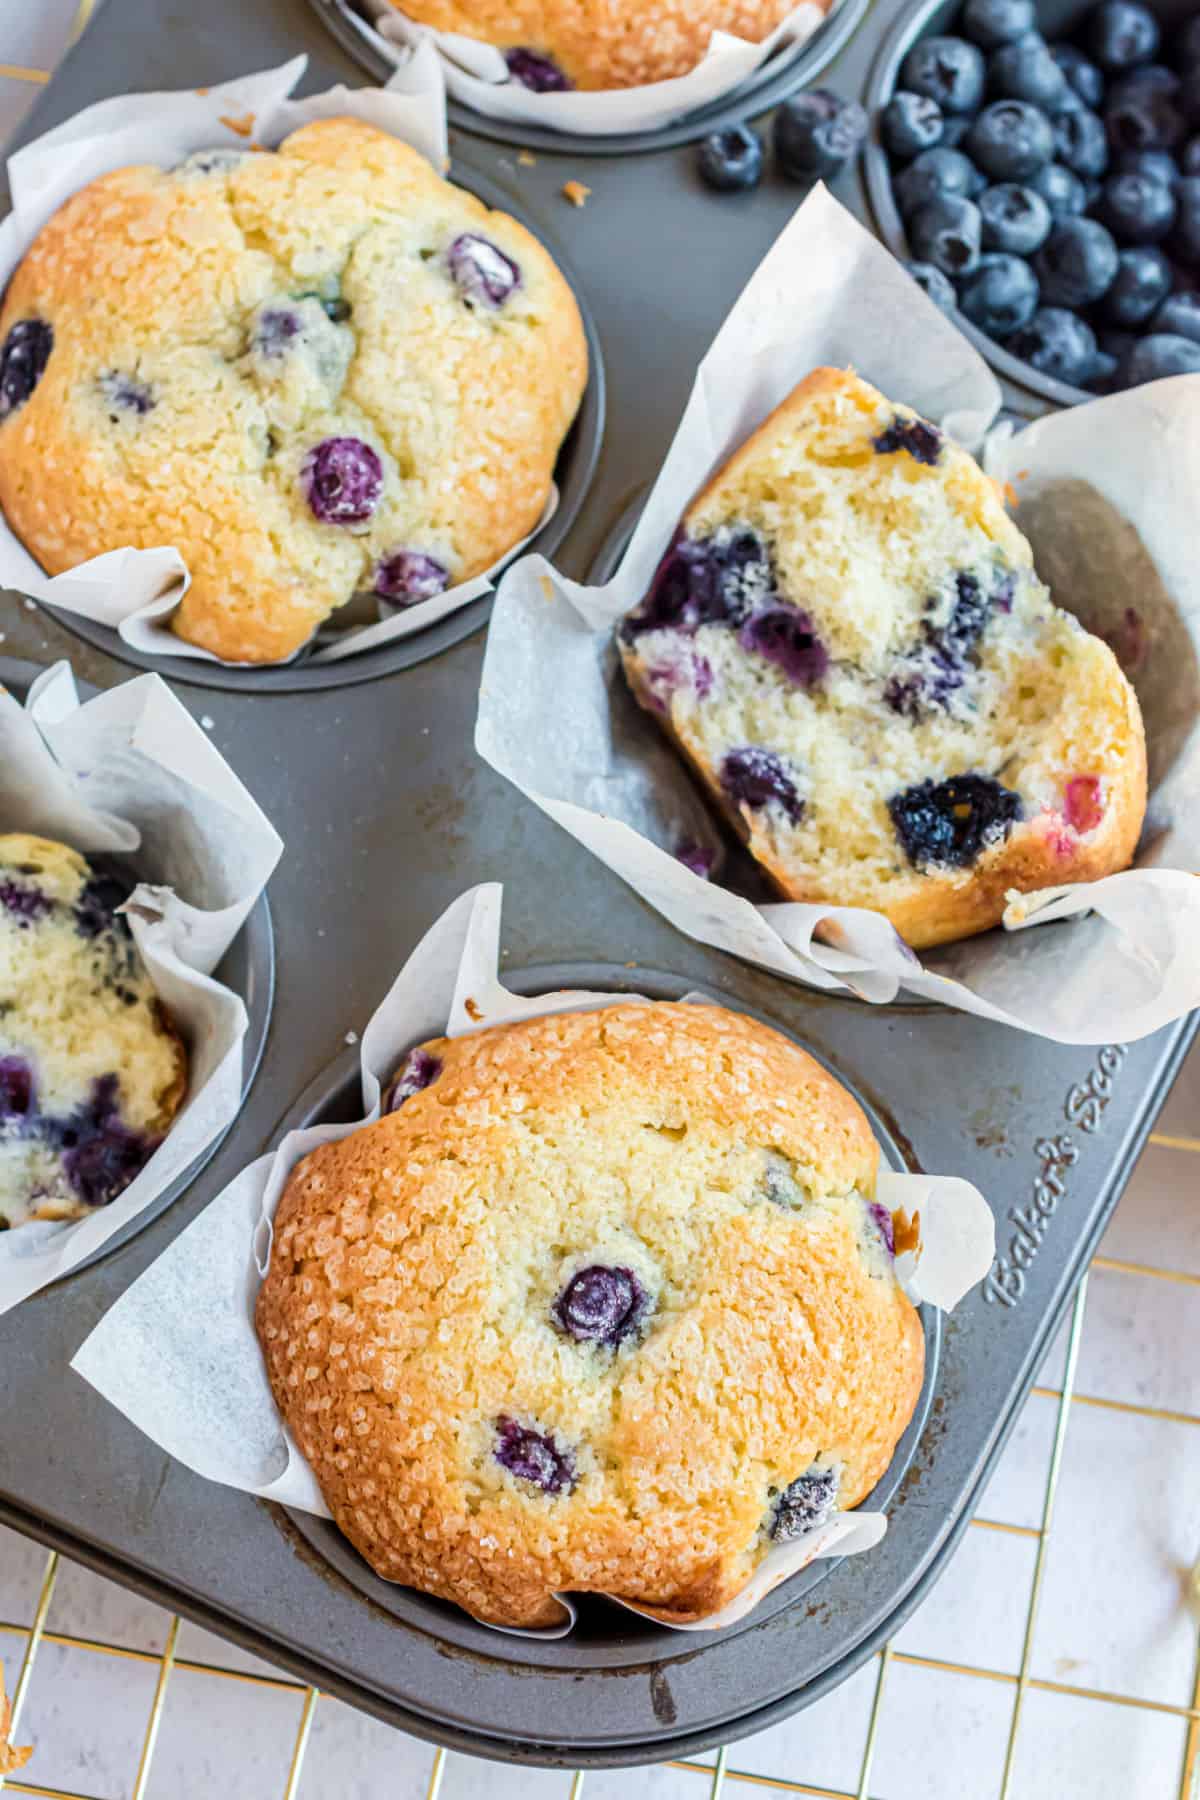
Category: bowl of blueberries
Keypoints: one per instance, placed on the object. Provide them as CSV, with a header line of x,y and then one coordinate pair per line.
x,y
1036,163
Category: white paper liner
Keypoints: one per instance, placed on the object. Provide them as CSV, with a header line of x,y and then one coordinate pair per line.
x,y
1107,497
178,1354
135,592
477,75
130,771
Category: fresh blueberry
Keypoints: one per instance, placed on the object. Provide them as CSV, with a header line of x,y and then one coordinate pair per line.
x,y
1187,99
534,1456
911,123
1000,295
342,480
922,440
1186,44
759,779
1061,189
817,134
1083,77
954,130
1159,165
787,637
946,824
602,1305
948,69
417,1071
96,908
1077,263
1152,78
937,174
126,394
481,272
1010,140
1179,316
990,23
1120,34
16,1088
23,902
1027,71
946,233
1189,157
731,161
1138,209
534,70
23,359
1057,343
1015,219
1185,244
718,580
805,1504
1144,118
1116,344
884,1224
1159,355
932,282
1105,374
1141,284
408,576
1080,142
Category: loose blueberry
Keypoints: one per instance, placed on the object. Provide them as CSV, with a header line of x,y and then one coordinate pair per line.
x,y
1000,295
23,902
937,174
932,282
1185,244
946,824
16,1088
759,779
922,440
534,1456
1159,165
1179,316
882,1219
1189,157
23,361
407,576
1077,263
1027,71
1143,119
534,70
417,1071
709,581
990,23
602,1305
1010,140
948,69
1083,803
911,123
482,273
1138,209
1141,284
1152,78
946,233
1080,142
805,1504
1187,43
1160,355
954,130
1120,34
1104,375
1057,343
786,636
1083,77
1061,189
1015,219
342,480
816,134
731,161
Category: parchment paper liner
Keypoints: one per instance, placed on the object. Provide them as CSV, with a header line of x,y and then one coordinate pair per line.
x,y
130,771
136,591
1107,496
178,1354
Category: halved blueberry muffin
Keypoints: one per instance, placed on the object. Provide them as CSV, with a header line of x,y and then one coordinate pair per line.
x,y
603,1303
849,643
91,1071
315,371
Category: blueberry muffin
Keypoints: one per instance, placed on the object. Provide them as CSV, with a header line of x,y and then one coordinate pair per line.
x,y
91,1071
603,1302
551,45
314,371
849,644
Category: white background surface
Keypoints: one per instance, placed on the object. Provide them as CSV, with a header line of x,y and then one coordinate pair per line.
x,y
1113,1627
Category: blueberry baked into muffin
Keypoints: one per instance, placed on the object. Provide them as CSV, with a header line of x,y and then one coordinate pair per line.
x,y
91,1071
849,644
552,45
314,371
603,1302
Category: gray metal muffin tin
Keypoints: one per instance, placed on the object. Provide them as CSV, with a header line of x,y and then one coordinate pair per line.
x,y
387,815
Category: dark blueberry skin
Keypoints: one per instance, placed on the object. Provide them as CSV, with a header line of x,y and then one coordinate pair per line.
x,y
1186,44
1057,342
922,440
1001,294
342,480
804,1505
602,1305
1104,378
786,636
407,576
534,70
1061,189
932,282
417,1071
990,23
759,779
1187,99
1015,219
1027,71
1189,157
946,233
706,581
1159,165
731,161
1161,354
1179,316
884,1224
946,824
1080,142
1142,283
24,903
125,394
23,360
911,123
1083,77
534,1456
481,272
1120,34
1138,209
96,908
817,134
937,174
101,1155
955,130
1010,140
16,1088
948,69
1145,118
1077,264
1185,244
